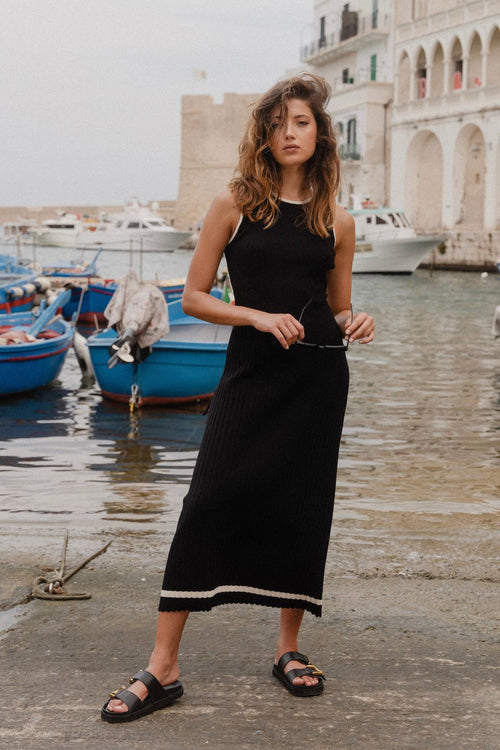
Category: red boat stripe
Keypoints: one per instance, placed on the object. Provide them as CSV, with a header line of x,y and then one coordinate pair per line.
x,y
36,356
17,302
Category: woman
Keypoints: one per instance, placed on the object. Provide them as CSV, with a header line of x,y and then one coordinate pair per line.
x,y
255,524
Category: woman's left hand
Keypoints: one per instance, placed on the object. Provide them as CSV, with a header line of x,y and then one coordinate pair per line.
x,y
361,329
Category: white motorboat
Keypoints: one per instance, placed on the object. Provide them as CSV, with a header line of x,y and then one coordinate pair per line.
x,y
136,228
19,232
386,242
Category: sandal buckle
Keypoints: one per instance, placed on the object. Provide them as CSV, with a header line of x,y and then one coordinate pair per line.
x,y
315,671
115,692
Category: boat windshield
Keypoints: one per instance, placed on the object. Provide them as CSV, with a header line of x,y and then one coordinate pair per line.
x,y
136,225
396,220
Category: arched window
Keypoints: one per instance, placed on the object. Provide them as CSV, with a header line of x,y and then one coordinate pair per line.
x,y
457,66
404,79
437,82
493,73
475,63
351,134
421,75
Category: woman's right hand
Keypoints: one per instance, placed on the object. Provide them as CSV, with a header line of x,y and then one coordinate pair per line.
x,y
283,326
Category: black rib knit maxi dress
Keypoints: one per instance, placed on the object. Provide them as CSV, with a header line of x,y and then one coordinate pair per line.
x,y
255,523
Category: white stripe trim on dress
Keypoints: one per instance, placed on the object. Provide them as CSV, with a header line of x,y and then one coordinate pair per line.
x,y
236,590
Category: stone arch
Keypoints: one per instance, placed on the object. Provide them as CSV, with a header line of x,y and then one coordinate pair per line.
x,y
404,74
475,62
424,181
421,73
469,168
456,68
437,62
493,74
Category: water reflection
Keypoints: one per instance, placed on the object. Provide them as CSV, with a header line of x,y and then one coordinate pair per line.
x,y
145,452
422,422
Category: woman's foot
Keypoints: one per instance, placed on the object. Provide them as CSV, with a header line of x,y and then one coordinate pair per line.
x,y
165,676
298,675
305,680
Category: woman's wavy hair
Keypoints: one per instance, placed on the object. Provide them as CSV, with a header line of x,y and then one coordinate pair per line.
x,y
256,185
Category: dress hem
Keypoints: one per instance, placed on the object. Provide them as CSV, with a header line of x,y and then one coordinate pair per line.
x,y
205,604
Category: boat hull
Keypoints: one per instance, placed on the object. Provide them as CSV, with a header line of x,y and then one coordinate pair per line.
x,y
394,256
97,297
17,288
24,367
177,370
153,241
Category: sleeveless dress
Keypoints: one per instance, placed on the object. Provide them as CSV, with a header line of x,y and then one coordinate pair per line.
x,y
256,521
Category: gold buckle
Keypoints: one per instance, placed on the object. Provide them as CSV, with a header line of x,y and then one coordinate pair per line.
x,y
316,672
115,692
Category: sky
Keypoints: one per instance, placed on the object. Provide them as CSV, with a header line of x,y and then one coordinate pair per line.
x,y
90,90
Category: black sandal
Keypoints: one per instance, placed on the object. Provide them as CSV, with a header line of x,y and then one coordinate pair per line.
x,y
159,696
286,678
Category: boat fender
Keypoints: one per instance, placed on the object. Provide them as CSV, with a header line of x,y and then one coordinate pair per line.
x,y
83,355
42,284
15,291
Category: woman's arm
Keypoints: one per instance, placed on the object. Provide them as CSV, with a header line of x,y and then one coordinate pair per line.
x,y
339,283
218,228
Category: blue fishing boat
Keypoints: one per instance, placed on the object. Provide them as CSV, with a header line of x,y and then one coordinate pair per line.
x,y
99,295
185,365
18,285
73,270
33,348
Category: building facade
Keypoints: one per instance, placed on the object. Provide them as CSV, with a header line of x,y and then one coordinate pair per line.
x,y
446,115
352,48
416,101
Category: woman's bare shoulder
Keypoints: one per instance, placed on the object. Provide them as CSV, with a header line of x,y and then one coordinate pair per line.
x,y
344,221
225,202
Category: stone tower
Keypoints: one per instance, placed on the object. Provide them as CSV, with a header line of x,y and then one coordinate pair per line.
x,y
211,134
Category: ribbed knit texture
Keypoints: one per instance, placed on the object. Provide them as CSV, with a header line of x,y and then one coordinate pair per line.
x,y
256,521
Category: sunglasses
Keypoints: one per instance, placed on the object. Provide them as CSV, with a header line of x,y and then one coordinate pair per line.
x,y
344,345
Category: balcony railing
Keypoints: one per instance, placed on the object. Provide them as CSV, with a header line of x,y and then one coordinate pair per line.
x,y
371,23
349,151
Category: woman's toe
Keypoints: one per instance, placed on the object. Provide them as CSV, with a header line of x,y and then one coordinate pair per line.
x,y
117,706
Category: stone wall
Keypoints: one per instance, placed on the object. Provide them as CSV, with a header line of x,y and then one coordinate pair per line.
x,y
211,134
466,251
166,209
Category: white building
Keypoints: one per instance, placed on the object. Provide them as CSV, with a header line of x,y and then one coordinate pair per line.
x,y
446,119
416,99
352,48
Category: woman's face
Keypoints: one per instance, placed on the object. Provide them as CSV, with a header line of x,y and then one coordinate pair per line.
x,y
294,135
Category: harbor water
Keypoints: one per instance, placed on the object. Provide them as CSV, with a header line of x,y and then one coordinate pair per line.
x,y
418,476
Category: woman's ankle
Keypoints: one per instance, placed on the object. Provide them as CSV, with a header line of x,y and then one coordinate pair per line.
x,y
284,647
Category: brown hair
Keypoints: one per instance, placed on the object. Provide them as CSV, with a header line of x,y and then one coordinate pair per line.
x,y
256,186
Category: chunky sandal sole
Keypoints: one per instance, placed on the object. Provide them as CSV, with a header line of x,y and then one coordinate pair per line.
x,y
172,693
300,691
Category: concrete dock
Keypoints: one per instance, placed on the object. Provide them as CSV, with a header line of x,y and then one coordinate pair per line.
x,y
411,661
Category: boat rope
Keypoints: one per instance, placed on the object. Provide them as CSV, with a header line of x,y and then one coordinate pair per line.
x,y
134,397
51,585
